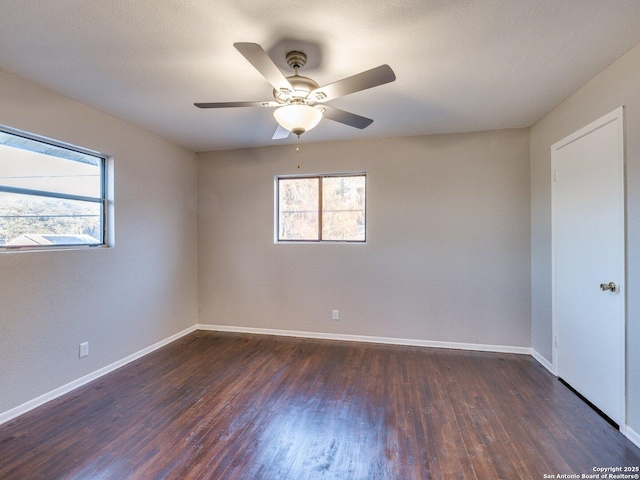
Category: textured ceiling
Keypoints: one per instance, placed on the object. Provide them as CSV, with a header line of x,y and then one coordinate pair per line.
x,y
461,65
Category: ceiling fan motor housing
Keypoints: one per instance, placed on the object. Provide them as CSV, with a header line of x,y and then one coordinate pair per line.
x,y
302,85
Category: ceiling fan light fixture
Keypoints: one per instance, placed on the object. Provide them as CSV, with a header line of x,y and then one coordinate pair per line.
x,y
298,118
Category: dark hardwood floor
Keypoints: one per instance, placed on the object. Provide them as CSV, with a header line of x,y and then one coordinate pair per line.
x,y
229,406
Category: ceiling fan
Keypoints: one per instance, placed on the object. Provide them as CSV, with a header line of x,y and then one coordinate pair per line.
x,y
300,101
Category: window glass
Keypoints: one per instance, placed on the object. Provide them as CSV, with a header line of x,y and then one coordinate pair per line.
x,y
322,208
298,208
343,208
50,195
38,171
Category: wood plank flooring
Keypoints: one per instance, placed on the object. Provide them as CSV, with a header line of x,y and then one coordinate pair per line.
x,y
232,406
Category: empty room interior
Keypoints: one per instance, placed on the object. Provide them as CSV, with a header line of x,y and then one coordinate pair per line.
x,y
430,270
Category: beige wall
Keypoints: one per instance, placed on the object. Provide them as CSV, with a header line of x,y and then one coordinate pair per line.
x,y
120,300
618,85
447,257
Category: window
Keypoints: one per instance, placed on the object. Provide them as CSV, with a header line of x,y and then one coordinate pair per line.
x,y
51,194
321,208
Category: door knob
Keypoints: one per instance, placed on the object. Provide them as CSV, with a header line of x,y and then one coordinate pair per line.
x,y
608,286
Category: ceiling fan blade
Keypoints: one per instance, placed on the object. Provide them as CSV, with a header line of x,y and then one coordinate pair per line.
x,y
237,104
280,133
367,79
263,63
347,118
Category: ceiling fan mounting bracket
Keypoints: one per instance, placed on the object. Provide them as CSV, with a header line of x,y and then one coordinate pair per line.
x,y
296,59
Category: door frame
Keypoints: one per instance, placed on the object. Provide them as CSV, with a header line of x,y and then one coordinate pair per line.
x,y
615,116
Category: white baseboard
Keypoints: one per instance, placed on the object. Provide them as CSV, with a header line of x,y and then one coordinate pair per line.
x,y
53,394
47,397
543,361
633,436
367,339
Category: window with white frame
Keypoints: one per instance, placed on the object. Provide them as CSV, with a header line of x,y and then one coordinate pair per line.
x,y
51,194
321,208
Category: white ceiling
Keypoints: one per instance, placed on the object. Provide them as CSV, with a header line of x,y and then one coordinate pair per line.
x,y
461,65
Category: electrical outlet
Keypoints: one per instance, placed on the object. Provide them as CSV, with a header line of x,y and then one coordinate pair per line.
x,y
84,349
334,315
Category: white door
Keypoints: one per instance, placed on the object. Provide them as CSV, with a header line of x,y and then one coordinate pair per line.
x,y
589,269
